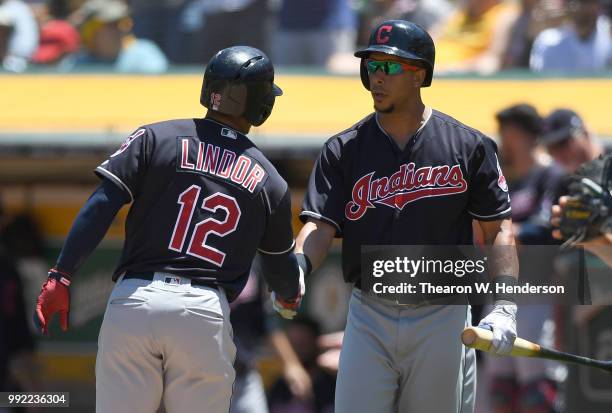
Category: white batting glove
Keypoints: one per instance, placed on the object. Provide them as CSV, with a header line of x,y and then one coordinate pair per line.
x,y
289,308
502,322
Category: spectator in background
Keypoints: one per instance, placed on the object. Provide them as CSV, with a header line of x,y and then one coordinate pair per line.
x,y
4,341
516,384
39,9
18,366
310,33
160,22
6,27
425,13
59,39
22,37
533,182
568,141
582,45
535,16
303,335
218,24
4,356
252,323
475,36
521,38
107,35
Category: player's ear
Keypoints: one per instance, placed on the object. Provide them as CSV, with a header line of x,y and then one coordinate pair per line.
x,y
419,77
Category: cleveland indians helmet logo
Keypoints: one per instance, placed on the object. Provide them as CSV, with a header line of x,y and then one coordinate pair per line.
x,y
403,187
382,35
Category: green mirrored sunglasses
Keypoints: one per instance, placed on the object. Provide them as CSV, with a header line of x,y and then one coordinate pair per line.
x,y
389,67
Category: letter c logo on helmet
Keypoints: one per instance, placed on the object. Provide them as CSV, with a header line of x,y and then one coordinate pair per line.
x,y
381,35
239,81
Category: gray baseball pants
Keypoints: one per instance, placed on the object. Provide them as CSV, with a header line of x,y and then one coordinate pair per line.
x,y
165,341
405,359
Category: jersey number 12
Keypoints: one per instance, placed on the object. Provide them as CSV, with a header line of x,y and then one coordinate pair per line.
x,y
197,245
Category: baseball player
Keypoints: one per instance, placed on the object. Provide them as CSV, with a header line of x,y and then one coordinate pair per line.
x,y
407,174
204,201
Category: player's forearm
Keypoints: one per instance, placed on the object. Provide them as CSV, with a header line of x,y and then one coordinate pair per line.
x,y
331,340
314,241
503,259
90,226
295,374
283,348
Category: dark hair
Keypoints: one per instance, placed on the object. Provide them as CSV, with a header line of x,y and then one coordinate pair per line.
x,y
523,116
58,9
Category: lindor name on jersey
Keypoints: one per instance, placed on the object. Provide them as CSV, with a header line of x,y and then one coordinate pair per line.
x,y
403,187
208,159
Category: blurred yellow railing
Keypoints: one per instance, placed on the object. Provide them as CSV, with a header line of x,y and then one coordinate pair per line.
x,y
311,105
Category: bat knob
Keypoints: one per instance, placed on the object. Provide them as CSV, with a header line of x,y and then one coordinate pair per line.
x,y
468,337
477,338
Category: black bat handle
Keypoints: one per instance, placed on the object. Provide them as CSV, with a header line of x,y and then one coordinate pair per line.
x,y
585,361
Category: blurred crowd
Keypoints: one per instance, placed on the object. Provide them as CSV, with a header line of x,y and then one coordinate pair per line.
x,y
139,36
538,154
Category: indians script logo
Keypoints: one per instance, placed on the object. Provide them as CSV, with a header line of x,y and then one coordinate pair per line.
x,y
404,186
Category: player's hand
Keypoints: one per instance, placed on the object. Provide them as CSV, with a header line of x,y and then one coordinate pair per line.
x,y
299,381
288,308
54,298
330,360
557,213
502,322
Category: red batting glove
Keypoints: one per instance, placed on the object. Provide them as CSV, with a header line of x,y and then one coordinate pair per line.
x,y
286,308
54,298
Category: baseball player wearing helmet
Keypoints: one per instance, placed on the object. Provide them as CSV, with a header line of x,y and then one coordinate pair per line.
x,y
366,187
204,201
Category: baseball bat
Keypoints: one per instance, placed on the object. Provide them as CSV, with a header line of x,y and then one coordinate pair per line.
x,y
481,339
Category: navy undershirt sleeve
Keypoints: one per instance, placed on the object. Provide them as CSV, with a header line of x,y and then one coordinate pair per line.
x,y
281,272
90,225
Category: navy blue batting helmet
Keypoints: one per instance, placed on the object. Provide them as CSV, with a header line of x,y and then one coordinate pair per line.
x,y
239,81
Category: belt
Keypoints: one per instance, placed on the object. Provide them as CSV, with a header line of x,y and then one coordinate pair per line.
x,y
392,301
426,300
150,275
